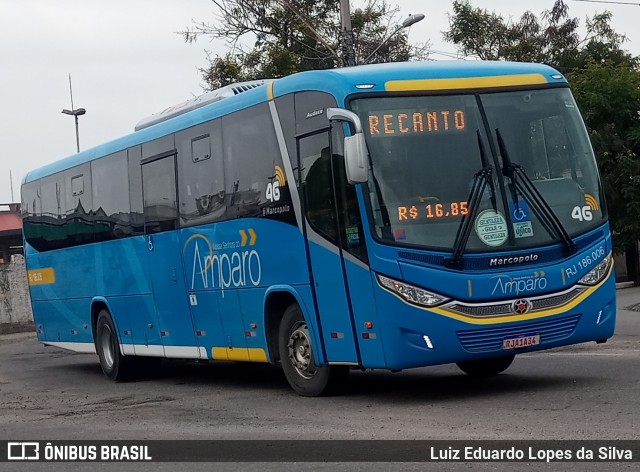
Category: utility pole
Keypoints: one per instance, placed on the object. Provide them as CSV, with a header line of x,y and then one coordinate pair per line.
x,y
346,34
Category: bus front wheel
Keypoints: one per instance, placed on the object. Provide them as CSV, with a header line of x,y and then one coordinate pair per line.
x,y
486,367
114,365
298,361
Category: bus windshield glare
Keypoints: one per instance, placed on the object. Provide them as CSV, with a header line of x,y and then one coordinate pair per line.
x,y
426,150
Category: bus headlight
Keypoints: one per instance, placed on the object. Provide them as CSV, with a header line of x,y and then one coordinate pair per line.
x,y
411,293
595,275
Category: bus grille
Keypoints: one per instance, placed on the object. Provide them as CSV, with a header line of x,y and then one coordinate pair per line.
x,y
490,339
503,308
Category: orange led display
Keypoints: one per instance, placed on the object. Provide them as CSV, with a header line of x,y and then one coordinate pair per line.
x,y
432,211
399,123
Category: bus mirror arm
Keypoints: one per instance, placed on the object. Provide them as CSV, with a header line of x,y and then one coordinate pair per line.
x,y
355,147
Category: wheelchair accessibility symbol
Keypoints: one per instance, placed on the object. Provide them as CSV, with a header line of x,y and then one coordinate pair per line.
x,y
520,212
521,216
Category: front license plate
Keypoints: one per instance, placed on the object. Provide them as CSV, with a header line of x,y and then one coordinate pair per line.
x,y
515,342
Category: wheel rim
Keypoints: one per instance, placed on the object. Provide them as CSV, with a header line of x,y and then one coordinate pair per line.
x,y
300,353
106,343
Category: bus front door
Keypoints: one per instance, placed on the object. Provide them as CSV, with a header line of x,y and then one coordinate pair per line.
x,y
334,316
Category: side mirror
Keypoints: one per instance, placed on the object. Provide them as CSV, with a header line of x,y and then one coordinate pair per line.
x,y
355,147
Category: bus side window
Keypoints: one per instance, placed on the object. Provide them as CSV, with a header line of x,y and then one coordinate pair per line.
x,y
349,218
110,192
317,187
201,174
159,193
78,215
31,213
52,198
251,153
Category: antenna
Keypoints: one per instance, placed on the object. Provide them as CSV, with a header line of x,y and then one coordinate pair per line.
x,y
70,91
11,179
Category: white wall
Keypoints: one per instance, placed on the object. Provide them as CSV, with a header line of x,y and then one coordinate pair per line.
x,y
15,305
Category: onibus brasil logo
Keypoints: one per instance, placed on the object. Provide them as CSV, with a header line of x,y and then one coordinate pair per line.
x,y
226,264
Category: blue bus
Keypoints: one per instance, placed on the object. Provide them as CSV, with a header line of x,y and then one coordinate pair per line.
x,y
375,217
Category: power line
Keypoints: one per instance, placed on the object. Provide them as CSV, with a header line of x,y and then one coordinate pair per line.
x,y
608,1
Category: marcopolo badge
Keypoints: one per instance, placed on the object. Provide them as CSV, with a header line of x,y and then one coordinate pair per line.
x,y
491,228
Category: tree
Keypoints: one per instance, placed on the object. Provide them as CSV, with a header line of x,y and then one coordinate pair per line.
x,y
609,97
605,80
555,39
295,35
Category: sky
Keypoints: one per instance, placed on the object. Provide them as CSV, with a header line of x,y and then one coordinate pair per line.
x,y
126,62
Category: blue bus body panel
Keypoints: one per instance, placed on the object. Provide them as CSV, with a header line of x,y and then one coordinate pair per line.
x,y
207,320
365,311
339,338
228,268
450,340
508,282
169,293
454,338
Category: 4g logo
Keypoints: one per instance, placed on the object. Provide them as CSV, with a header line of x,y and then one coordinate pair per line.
x,y
582,213
273,188
585,213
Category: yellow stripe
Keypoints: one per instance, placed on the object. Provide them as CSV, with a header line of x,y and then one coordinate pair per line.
x,y
465,83
41,276
270,94
241,354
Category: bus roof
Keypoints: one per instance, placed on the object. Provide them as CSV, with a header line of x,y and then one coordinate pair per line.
x,y
405,76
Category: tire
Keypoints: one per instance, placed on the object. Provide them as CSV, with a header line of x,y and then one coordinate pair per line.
x,y
486,367
114,365
298,360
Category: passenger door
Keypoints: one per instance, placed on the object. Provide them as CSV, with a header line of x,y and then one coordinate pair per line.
x,y
323,239
165,258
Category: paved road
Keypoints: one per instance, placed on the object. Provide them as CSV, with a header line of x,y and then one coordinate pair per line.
x,y
582,392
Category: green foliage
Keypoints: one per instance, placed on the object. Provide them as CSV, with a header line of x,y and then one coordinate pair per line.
x,y
604,77
295,35
609,97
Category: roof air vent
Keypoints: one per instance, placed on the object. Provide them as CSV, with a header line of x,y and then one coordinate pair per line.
x,y
197,102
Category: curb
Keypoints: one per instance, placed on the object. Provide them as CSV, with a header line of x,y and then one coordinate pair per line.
x,y
621,285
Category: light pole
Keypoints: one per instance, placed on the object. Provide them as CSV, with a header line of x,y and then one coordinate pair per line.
x,y
75,112
346,34
411,20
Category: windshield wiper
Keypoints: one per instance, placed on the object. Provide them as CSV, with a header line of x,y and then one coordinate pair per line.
x,y
521,182
481,179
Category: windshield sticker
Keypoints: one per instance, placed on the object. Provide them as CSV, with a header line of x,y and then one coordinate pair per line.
x,y
591,202
521,217
399,234
491,228
582,213
353,236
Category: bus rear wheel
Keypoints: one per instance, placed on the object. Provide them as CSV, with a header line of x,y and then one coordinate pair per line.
x,y
298,361
486,367
114,365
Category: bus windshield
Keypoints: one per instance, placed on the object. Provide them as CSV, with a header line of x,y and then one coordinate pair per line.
x,y
426,150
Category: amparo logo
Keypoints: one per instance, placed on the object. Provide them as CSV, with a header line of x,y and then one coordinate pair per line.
x,y
514,286
224,265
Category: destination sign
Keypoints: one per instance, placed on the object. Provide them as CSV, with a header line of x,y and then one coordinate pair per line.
x,y
401,122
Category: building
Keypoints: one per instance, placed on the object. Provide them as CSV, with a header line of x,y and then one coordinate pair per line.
x,y
10,231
